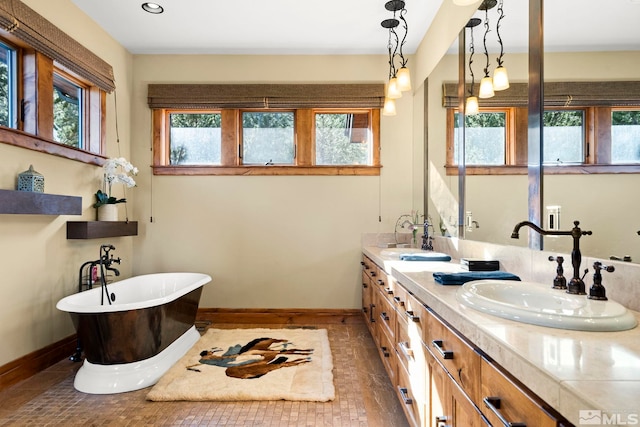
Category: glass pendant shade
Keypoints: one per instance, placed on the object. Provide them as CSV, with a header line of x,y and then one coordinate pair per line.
x,y
500,79
486,88
389,108
471,107
392,89
404,79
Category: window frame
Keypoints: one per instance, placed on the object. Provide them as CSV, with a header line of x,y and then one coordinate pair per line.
x,y
231,123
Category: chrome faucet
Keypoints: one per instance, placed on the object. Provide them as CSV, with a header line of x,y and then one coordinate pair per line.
x,y
576,284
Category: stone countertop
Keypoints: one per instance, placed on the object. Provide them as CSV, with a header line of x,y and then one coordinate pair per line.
x,y
570,370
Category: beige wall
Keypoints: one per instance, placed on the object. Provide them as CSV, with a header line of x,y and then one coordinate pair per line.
x,y
39,265
268,241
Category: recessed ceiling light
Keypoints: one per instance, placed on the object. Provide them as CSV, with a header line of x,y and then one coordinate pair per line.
x,y
152,7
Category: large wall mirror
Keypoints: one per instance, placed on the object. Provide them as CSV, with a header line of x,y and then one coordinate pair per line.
x,y
583,42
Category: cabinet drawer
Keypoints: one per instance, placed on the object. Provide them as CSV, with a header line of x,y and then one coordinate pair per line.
x,y
415,314
399,297
369,267
412,396
505,402
458,357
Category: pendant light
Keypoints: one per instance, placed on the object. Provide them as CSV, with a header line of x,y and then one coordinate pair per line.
x,y
500,76
399,78
471,105
389,108
486,84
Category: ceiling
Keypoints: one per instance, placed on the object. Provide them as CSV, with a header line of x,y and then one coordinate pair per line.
x,y
317,27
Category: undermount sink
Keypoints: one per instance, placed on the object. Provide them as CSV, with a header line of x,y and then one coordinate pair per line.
x,y
539,304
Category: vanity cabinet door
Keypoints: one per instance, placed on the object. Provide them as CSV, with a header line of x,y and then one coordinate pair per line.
x,y
367,300
450,405
458,357
503,401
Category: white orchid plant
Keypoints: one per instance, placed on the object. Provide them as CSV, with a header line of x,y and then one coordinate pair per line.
x,y
116,170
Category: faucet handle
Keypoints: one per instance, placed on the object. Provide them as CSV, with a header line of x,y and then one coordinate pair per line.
x,y
597,291
559,282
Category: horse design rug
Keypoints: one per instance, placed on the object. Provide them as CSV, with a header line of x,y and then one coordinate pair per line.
x,y
252,364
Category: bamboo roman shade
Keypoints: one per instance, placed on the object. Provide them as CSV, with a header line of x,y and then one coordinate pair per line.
x,y
30,27
219,96
557,94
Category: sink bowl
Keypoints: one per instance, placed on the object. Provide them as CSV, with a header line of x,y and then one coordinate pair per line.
x,y
539,304
414,254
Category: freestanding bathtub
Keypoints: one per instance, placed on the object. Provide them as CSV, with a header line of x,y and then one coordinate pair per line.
x,y
130,343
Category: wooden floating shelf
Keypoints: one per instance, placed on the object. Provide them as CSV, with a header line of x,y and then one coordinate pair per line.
x,y
34,203
100,229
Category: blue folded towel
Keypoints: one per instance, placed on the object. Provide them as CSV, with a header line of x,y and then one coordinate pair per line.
x,y
467,276
429,256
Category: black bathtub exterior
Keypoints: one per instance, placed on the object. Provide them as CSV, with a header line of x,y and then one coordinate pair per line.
x,y
131,336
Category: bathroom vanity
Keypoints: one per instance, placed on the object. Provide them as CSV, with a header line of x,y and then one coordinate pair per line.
x,y
455,366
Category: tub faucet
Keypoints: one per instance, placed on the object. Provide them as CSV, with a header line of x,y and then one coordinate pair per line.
x,y
576,284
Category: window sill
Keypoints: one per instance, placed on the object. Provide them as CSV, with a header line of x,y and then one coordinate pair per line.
x,y
548,170
22,139
267,170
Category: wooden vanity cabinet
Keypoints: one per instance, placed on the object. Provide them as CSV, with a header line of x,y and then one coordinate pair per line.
x,y
440,377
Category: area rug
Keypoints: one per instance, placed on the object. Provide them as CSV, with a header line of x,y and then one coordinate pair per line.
x,y
252,364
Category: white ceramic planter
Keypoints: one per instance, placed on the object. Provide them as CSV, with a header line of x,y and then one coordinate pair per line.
x,y
108,212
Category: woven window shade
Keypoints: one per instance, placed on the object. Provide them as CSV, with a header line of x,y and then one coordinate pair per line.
x,y
218,96
30,27
557,94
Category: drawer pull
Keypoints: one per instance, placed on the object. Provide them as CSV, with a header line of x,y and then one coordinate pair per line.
x,y
380,282
405,396
373,274
372,318
411,316
446,354
406,350
389,291
385,351
441,421
398,301
364,265
493,403
364,285
384,315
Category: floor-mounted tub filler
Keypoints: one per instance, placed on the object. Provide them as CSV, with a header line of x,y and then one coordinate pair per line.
x,y
133,331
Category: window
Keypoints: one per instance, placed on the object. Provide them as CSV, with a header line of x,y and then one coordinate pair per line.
x,y
195,138
485,135
8,86
68,112
274,129
267,138
343,139
625,136
563,137
52,89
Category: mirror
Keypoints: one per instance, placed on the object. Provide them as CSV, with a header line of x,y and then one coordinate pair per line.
x,y
581,46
